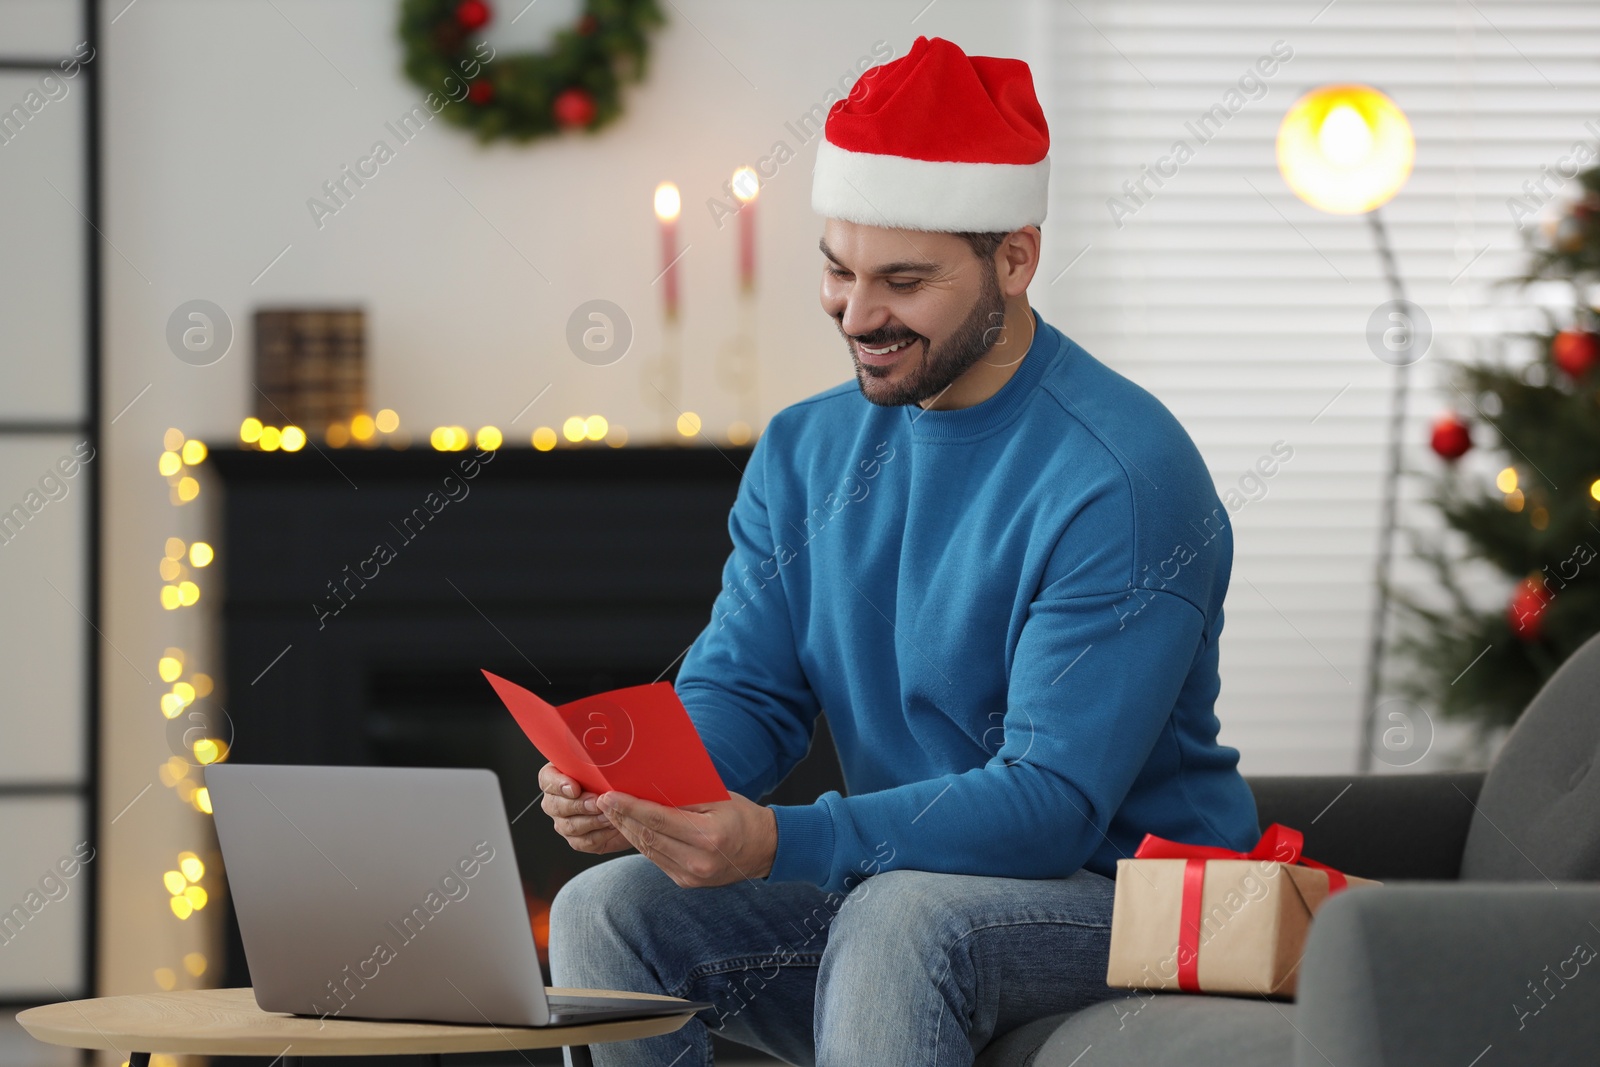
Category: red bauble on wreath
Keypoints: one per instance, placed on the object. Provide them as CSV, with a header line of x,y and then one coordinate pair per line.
x,y
573,107
472,14
1575,351
1451,437
1526,610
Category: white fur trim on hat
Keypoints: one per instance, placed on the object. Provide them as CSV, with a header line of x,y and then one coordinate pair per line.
x,y
918,194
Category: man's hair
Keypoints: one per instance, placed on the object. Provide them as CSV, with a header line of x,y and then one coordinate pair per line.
x,y
983,245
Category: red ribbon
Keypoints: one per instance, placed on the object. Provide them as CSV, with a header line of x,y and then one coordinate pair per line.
x,y
1279,843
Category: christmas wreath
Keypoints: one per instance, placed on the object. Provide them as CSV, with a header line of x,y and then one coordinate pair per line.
x,y
575,84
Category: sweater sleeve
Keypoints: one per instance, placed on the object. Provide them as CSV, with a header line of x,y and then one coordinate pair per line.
x,y
1094,680
741,679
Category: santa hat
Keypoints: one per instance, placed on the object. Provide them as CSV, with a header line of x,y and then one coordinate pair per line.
x,y
936,140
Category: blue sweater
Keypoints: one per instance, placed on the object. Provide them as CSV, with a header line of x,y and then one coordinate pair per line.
x,y
1010,613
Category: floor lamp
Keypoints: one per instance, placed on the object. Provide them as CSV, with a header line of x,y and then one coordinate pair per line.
x,y
1347,150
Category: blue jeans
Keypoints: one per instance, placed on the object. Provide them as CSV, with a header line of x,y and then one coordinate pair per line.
x,y
909,967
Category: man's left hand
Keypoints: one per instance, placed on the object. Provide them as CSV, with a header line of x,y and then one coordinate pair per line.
x,y
701,845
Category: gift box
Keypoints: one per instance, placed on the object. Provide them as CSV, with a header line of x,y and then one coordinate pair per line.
x,y
1202,919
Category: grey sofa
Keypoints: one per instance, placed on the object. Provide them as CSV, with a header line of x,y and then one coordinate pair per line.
x,y
1479,951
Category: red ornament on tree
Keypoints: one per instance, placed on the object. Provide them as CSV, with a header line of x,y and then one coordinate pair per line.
x,y
1526,610
472,14
1451,437
480,91
1575,351
574,107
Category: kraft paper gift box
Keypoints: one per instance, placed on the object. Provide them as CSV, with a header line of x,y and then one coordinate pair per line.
x,y
1201,919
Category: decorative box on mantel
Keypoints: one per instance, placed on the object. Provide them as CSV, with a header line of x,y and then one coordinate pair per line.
x,y
571,572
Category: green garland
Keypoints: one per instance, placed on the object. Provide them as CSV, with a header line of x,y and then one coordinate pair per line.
x,y
576,84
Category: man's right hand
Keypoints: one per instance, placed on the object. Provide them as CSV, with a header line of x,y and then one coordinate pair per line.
x,y
575,815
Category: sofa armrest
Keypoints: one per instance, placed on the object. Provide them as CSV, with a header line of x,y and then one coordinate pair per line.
x,y
1384,826
1438,973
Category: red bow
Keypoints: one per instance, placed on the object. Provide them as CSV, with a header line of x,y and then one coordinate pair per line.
x,y
1279,843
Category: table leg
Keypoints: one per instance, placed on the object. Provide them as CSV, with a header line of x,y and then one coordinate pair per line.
x,y
574,1055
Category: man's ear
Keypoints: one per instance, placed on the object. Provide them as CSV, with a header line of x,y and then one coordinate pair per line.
x,y
1017,259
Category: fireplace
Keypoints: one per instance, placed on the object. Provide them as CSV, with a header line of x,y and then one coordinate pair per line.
x,y
570,572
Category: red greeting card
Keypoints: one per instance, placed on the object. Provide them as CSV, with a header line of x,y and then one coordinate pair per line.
x,y
637,740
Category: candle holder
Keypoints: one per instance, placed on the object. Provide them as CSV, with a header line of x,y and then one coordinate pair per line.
x,y
737,364
663,377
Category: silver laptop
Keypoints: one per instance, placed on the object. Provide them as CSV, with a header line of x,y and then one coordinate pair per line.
x,y
387,893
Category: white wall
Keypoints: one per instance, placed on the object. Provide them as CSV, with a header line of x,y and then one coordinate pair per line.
x,y
222,119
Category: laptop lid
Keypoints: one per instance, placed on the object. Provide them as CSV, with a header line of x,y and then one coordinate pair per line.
x,y
378,893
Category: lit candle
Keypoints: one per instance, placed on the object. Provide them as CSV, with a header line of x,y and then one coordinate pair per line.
x,y
668,204
745,186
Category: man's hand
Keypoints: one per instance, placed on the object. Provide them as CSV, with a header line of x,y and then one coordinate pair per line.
x,y
702,845
575,814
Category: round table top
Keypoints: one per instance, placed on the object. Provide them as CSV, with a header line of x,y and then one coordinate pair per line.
x,y
226,1022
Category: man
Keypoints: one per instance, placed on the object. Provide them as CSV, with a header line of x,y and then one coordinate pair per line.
x,y
999,566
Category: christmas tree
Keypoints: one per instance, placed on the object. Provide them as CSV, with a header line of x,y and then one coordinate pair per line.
x,y
1538,523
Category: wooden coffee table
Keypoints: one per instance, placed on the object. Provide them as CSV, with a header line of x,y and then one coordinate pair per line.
x,y
226,1022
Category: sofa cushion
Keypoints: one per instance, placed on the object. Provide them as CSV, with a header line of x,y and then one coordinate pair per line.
x,y
1538,814
1154,1030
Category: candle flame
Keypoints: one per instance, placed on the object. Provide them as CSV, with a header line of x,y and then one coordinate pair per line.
x,y
745,184
668,203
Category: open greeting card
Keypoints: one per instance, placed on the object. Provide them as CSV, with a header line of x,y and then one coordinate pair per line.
x,y
637,740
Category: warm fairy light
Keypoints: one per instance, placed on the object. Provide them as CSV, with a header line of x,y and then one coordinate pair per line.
x,y
388,421
688,424
573,429
200,554
1594,488
165,978
169,597
201,800
271,438
745,184
489,439
175,770
194,452
1506,480
1514,500
1540,518
169,464
250,430
171,705
738,433
191,866
174,548
544,439
207,751
175,882
594,427
188,593
616,436
1345,149
362,427
185,692
188,489
172,440
196,896
203,685
169,668
668,202
181,907
439,439
194,963
293,439
171,570
337,435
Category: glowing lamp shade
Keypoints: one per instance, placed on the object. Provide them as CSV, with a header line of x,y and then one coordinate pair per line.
x,y
1345,149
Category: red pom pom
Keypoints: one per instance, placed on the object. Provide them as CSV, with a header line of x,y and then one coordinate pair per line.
x,y
587,25
471,14
1575,351
1525,612
1451,437
574,107
480,91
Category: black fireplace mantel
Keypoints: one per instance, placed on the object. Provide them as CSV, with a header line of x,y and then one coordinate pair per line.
x,y
363,589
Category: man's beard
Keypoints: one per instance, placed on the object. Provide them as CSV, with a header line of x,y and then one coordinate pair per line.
x,y
940,367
